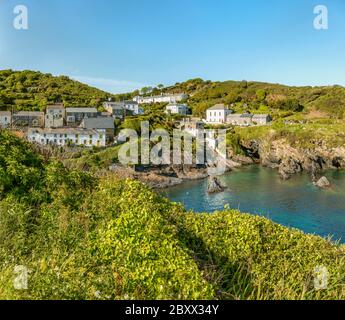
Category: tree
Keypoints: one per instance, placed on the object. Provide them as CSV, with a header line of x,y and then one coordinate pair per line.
x,y
260,95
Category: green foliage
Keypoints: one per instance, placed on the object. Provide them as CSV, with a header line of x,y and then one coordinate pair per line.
x,y
29,90
204,94
117,239
21,169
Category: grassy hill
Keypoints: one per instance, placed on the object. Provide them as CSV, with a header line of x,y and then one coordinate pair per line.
x,y
328,101
30,90
87,238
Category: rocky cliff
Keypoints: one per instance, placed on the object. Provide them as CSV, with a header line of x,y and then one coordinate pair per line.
x,y
291,159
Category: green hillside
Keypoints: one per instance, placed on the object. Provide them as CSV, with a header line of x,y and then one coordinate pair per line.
x,y
87,238
261,97
30,90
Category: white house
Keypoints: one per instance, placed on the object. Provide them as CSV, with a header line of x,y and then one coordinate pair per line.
x,y
68,136
5,119
217,114
133,107
175,108
164,98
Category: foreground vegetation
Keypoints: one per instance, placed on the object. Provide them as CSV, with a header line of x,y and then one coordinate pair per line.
x,y
87,238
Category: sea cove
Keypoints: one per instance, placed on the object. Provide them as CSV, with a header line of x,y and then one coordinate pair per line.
x,y
294,203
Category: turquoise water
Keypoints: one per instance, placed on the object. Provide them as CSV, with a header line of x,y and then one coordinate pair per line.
x,y
293,203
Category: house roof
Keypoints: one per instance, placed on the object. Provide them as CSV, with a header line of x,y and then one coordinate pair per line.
x,y
81,110
130,102
55,106
98,123
219,106
62,131
164,96
30,114
260,115
240,115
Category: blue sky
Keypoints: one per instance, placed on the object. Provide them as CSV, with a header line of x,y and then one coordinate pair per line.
x,y
122,45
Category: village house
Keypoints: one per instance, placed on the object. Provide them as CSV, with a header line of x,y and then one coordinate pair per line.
x,y
240,119
100,123
217,114
248,119
5,119
68,137
75,116
28,119
175,108
164,98
55,116
116,109
261,119
133,107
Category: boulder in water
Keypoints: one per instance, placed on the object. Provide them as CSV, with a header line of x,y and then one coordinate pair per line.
x,y
322,183
214,185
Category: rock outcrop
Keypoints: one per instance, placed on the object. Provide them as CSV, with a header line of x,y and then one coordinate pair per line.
x,y
214,185
289,167
291,159
322,183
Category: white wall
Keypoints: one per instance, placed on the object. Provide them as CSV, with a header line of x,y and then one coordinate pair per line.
x,y
62,138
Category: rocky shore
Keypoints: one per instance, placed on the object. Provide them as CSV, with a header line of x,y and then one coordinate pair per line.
x,y
290,160
278,154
